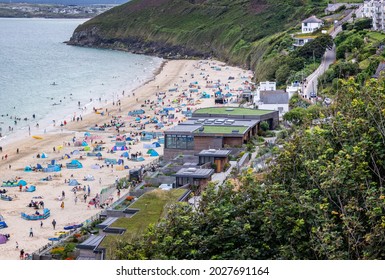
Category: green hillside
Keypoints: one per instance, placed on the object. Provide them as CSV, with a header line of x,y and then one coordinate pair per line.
x,y
234,31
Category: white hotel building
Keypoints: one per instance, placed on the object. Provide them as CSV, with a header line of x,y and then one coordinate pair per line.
x,y
375,9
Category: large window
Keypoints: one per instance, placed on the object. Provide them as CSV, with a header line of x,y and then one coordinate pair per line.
x,y
189,143
181,142
171,141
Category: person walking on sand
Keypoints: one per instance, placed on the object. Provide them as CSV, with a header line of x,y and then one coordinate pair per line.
x,y
30,232
41,224
62,205
22,254
54,223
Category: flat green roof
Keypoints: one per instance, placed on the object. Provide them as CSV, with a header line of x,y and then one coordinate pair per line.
x,y
220,129
232,111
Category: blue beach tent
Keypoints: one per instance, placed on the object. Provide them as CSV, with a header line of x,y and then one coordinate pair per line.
x,y
28,169
74,164
22,182
156,144
31,189
152,153
73,182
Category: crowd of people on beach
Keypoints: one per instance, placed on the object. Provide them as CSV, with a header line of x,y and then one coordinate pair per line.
x,y
164,109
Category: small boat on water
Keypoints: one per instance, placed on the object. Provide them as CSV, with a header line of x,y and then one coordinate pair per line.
x,y
54,84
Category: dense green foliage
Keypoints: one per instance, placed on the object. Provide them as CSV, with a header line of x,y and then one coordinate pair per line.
x,y
358,53
292,66
323,197
234,31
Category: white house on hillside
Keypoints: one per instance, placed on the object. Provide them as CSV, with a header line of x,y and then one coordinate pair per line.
x,y
311,24
295,87
267,97
267,85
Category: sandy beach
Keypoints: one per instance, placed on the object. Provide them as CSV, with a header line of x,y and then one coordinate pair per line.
x,y
170,87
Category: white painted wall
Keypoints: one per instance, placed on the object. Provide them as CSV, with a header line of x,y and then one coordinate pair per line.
x,y
275,107
267,86
310,27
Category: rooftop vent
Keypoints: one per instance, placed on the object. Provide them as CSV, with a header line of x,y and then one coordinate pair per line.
x,y
229,109
211,150
190,170
201,129
235,131
219,121
229,121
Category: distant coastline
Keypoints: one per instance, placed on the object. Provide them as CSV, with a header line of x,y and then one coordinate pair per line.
x,y
27,10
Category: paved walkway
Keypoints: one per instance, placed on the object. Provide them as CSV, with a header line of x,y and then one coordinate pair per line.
x,y
221,177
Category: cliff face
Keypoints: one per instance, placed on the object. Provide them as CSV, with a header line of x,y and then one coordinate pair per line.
x,y
229,30
92,37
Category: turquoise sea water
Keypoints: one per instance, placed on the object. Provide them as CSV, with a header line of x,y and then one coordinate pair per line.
x,y
33,57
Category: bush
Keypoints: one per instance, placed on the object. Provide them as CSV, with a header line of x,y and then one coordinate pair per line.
x,y
260,139
265,126
263,150
57,251
270,133
226,166
240,155
250,147
282,134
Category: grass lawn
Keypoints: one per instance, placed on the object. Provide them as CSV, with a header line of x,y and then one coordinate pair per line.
x,y
232,111
364,64
151,207
376,36
306,35
222,129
